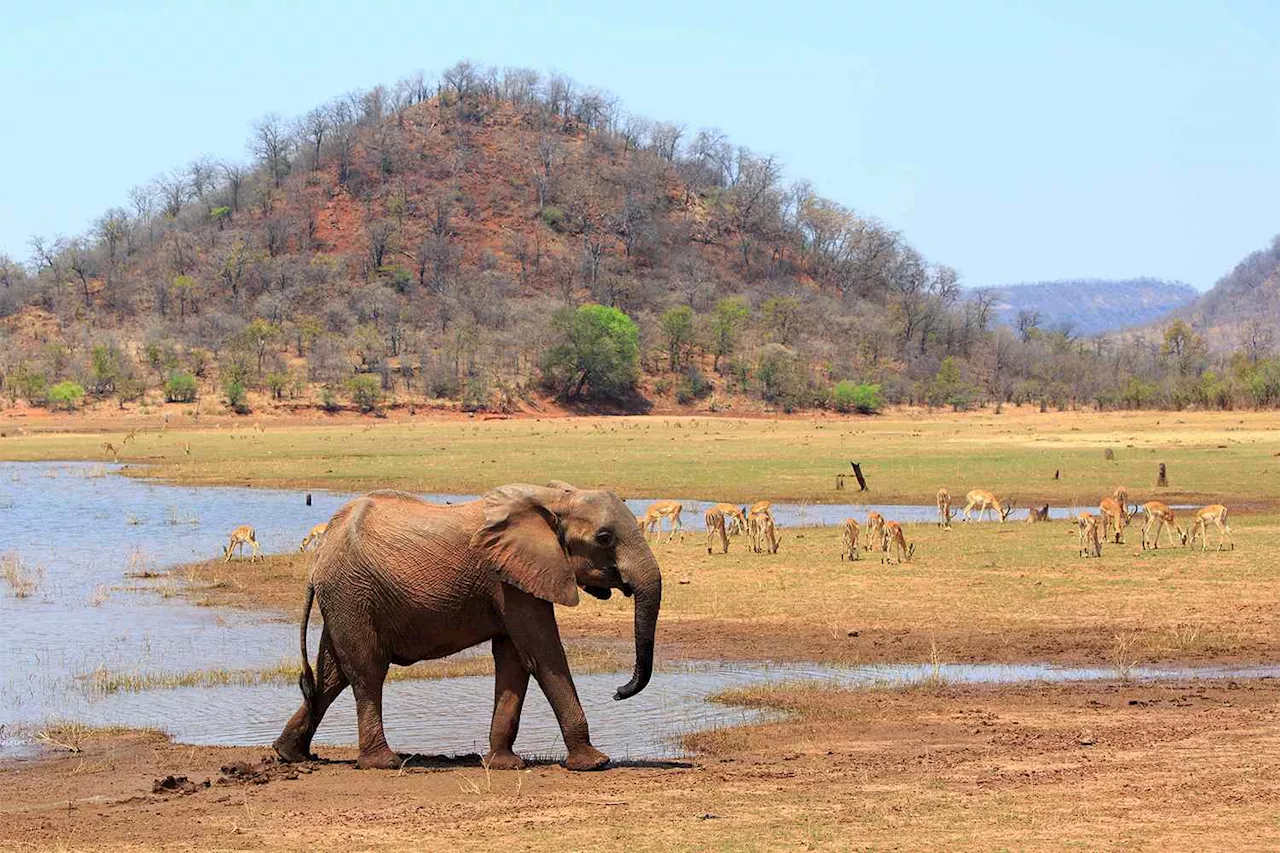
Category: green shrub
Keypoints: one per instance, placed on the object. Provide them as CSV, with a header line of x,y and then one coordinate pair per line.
x,y
329,401
277,383
366,391
181,388
237,398
29,384
66,395
862,398
597,354
553,216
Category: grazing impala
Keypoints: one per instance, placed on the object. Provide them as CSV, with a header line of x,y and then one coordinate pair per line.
x,y
893,540
944,509
1114,515
762,532
761,506
241,536
986,502
1159,515
849,540
1216,515
314,536
1121,494
714,520
875,529
1090,542
734,517
660,510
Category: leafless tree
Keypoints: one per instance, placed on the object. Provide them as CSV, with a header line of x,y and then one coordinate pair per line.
x,y
272,144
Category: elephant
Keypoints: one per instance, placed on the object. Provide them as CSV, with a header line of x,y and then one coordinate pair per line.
x,y
399,580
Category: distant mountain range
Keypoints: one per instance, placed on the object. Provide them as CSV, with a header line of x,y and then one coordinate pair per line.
x,y
1092,306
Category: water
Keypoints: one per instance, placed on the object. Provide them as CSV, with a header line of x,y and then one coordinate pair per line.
x,y
88,528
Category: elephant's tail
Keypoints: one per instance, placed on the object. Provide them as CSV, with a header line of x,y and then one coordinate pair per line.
x,y
307,680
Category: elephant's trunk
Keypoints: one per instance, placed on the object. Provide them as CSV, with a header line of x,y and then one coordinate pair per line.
x,y
646,584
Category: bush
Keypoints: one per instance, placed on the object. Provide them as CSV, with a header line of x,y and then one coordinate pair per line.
x,y
329,401
553,216
692,386
598,354
784,378
181,388
237,398
29,384
862,398
366,392
277,383
66,395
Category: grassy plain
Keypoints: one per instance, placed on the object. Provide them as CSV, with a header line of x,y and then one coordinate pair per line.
x,y
906,455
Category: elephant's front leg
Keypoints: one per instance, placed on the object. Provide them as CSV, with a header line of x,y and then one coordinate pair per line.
x,y
511,681
531,624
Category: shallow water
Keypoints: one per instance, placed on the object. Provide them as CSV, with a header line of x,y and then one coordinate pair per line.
x,y
87,528
451,716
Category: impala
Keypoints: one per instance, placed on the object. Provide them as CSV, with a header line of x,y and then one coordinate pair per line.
x,y
875,529
1034,515
849,540
241,536
314,536
1114,514
1090,543
660,510
986,502
762,532
1159,515
761,506
735,518
894,540
714,520
944,509
1217,515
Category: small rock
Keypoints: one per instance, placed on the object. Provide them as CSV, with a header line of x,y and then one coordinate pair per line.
x,y
1087,739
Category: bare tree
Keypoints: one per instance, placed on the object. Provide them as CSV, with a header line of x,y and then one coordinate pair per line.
x,y
272,144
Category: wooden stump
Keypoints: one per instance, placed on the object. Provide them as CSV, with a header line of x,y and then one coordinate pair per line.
x,y
857,472
1162,481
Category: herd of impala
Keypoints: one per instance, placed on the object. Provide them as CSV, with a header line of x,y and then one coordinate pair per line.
x,y
723,520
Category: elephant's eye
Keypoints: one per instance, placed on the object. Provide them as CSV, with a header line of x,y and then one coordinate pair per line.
x,y
604,538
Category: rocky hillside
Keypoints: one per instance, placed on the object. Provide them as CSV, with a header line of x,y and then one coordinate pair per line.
x,y
1242,310
1090,306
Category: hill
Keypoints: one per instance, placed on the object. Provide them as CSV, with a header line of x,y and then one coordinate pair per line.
x,y
1243,307
504,239
1091,306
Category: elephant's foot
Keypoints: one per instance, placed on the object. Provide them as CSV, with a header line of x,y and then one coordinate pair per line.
x,y
586,758
291,748
504,759
383,759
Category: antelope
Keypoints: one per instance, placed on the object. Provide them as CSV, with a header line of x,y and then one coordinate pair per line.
x,y
1217,514
1035,516
849,540
875,529
1114,514
761,506
944,509
893,538
734,517
714,520
241,536
314,536
660,510
985,502
1159,515
762,532
1090,544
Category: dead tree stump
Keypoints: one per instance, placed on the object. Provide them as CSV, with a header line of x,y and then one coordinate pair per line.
x,y
857,472
1162,481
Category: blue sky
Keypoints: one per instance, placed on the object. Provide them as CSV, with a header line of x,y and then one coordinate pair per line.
x,y
1014,141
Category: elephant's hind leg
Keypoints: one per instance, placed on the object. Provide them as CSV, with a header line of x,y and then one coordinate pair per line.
x,y
511,681
294,743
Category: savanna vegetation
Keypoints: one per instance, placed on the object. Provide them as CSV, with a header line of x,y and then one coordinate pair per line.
x,y
491,236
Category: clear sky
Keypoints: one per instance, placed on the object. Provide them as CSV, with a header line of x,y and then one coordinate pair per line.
x,y
1014,141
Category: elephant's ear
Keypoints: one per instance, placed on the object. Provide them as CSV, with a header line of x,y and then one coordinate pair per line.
x,y
520,539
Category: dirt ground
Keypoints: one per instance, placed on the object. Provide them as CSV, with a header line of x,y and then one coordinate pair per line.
x,y
1149,767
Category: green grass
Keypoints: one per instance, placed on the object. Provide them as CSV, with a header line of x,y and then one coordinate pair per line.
x,y
906,457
